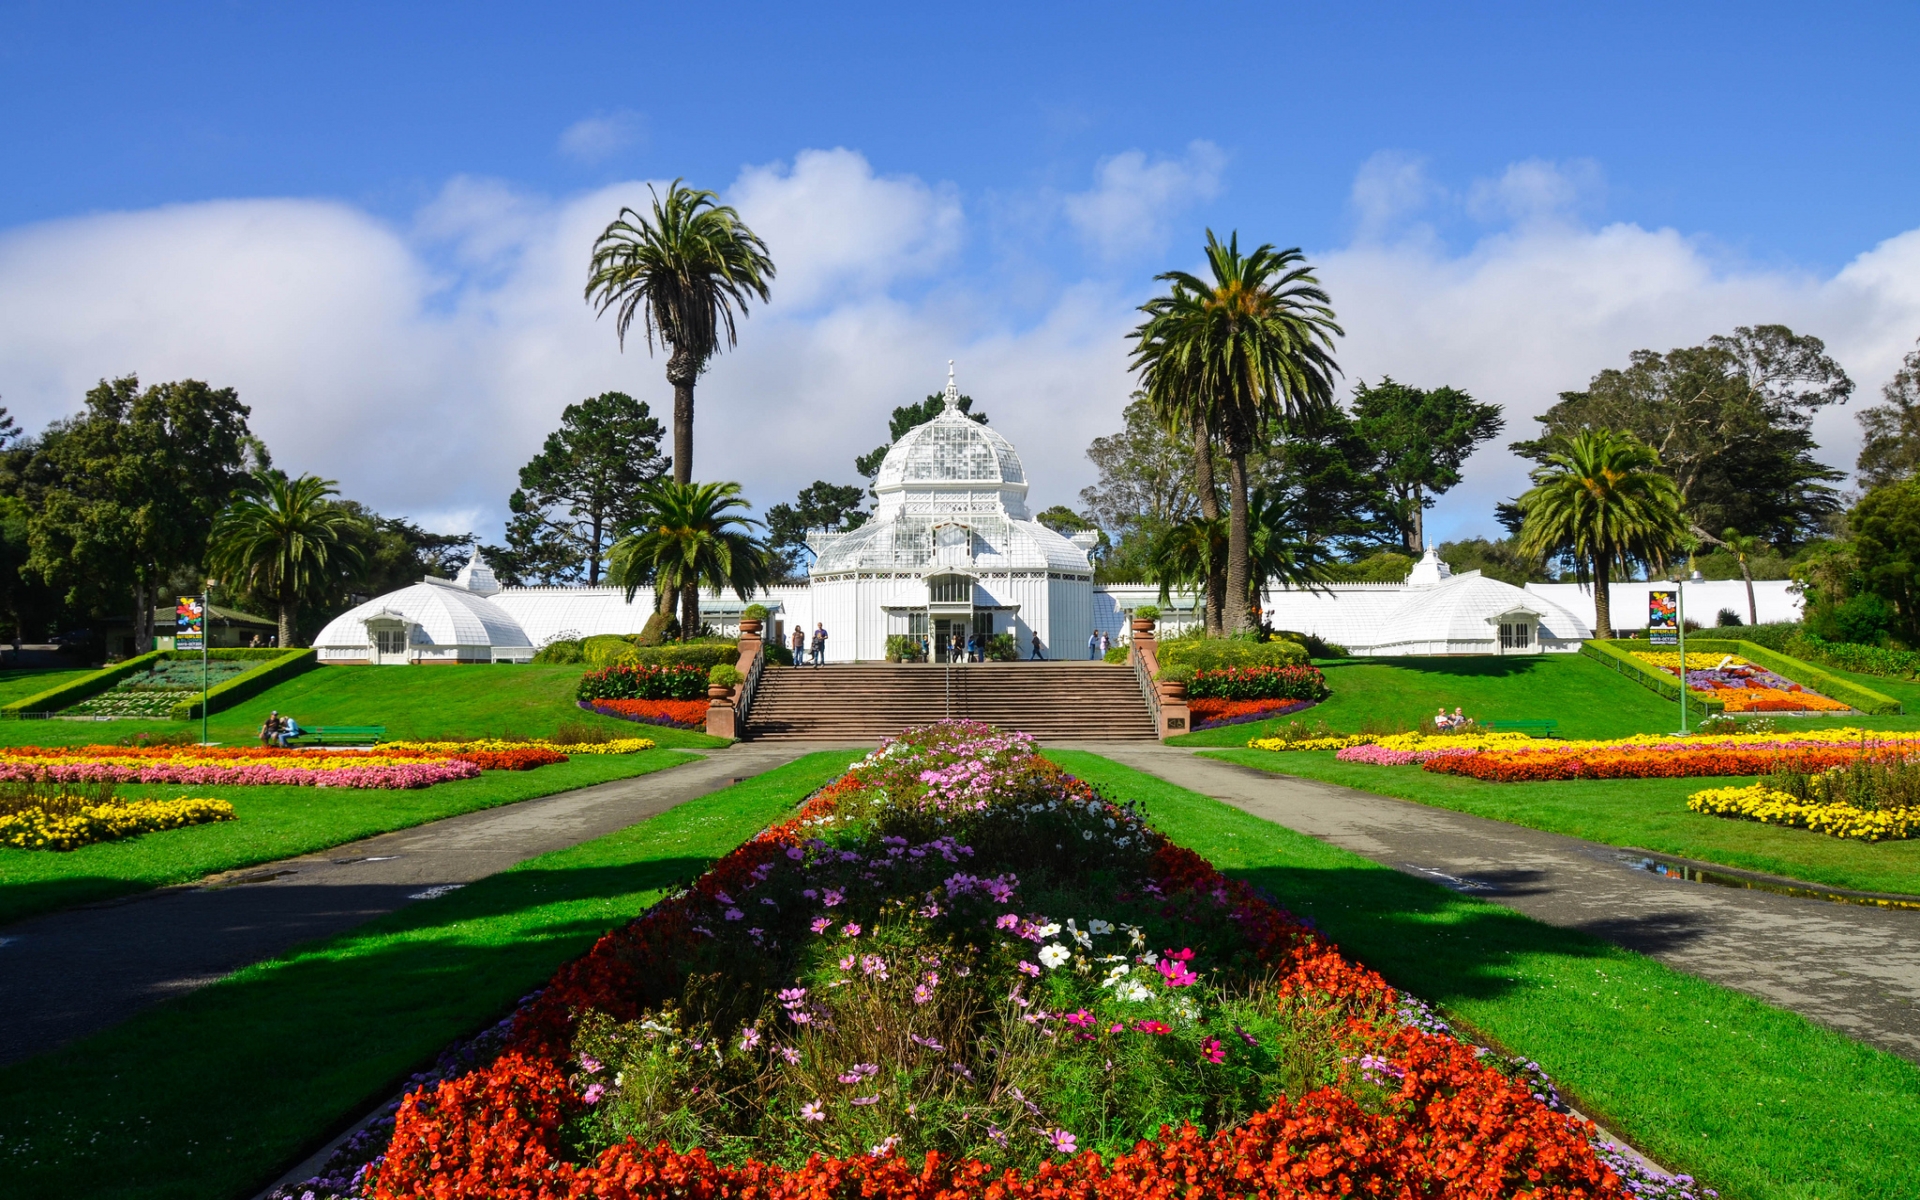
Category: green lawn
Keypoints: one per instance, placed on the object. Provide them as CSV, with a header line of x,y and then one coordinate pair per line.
x,y
19,684
1588,700
1755,1101
277,822
214,1094
1650,814
412,702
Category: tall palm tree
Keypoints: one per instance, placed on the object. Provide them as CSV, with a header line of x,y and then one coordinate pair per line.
x,y
278,538
1277,551
1745,546
691,534
1185,554
1601,500
682,272
1250,345
1181,403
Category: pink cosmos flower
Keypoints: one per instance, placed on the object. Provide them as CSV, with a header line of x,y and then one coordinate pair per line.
x,y
1007,921
590,1064
922,993
593,1093
1176,973
1154,1027
1079,1017
832,898
1027,968
1060,1141
850,929
820,924
811,1112
866,1100
1213,1051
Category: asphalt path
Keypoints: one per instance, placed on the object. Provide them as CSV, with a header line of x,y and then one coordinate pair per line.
x,y
67,974
1850,967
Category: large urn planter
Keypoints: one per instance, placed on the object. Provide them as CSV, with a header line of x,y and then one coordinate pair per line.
x,y
1142,628
719,692
750,627
1174,691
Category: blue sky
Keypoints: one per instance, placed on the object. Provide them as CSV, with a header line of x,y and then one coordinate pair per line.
x,y
370,218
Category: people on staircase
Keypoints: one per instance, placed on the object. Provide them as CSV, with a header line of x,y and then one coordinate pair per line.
x,y
1038,654
820,644
799,645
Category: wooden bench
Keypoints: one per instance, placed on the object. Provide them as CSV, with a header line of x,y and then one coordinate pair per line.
x,y
1540,727
339,735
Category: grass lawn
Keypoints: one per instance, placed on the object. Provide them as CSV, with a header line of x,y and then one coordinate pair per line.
x,y
276,822
1755,1101
412,702
26,681
1648,813
214,1094
1588,700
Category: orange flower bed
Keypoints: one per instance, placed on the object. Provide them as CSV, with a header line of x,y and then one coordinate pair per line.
x,y
683,714
1757,699
1530,766
1451,1127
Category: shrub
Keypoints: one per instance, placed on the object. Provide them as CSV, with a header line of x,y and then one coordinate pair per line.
x,y
1147,612
1002,648
1852,656
605,649
705,654
1314,645
754,612
639,681
660,627
579,733
1213,654
563,652
1175,673
725,675
1118,654
1259,683
1727,618
902,648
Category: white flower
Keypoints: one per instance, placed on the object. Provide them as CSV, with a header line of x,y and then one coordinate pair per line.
x,y
1099,928
1048,930
1133,992
1054,955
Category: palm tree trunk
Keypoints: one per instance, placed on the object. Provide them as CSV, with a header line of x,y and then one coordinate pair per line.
x,y
1753,612
1238,558
286,624
682,369
690,611
1216,581
1602,601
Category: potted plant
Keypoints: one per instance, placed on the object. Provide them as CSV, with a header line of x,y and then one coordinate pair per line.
x,y
1144,618
752,619
722,680
1173,683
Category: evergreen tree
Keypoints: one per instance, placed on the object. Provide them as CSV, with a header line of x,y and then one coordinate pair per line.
x,y
582,490
905,417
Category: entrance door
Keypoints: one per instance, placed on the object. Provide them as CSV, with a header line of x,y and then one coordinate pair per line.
x,y
950,631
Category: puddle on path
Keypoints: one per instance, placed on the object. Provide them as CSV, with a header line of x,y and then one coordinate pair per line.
x,y
437,891
347,862
1451,881
1691,874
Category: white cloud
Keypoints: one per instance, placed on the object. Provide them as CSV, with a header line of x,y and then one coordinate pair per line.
x,y
421,365
1390,187
1537,190
1134,198
595,138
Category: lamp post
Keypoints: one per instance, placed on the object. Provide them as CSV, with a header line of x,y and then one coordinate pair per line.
x,y
206,631
1680,620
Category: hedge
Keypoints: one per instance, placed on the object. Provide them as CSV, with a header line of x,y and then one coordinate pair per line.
x,y
1801,672
1853,656
73,692
703,654
282,666
1649,677
1213,654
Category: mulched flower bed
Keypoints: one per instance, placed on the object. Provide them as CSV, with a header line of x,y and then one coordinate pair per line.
x,y
1211,714
909,990
680,714
1740,685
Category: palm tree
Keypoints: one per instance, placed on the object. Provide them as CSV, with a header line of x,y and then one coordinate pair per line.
x,y
1745,546
1179,401
1601,500
682,272
1277,553
691,534
277,539
1250,345
1185,554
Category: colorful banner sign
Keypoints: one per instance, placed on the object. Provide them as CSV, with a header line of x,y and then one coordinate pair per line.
x,y
1663,618
189,624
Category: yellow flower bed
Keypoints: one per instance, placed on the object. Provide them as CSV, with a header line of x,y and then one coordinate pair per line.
x,y
1670,659
37,829
1505,740
1757,802
1337,742
616,746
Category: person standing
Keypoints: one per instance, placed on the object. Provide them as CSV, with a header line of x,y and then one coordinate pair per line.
x,y
1038,654
1106,644
820,644
1093,645
799,645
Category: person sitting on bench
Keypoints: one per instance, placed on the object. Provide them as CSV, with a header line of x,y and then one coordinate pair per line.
x,y
270,732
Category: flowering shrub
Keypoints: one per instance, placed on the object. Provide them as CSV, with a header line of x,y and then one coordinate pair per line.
x,y
69,822
681,714
1259,683
1739,684
908,990
1758,802
644,681
1209,714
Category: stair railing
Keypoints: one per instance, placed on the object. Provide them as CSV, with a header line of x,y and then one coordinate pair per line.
x,y
744,705
1148,691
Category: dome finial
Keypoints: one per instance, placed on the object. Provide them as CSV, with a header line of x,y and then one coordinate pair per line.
x,y
952,396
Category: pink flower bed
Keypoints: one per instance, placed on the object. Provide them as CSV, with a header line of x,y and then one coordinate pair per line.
x,y
399,775
1381,757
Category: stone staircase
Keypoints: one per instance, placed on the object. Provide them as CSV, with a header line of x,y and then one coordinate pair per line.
x,y
861,702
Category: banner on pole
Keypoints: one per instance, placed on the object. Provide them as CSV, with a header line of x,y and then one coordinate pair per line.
x,y
1663,618
189,624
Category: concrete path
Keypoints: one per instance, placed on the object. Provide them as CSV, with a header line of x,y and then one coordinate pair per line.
x,y
1850,967
67,974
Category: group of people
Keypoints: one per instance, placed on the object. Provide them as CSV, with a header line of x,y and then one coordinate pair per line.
x,y
1098,644
1458,720
799,645
279,730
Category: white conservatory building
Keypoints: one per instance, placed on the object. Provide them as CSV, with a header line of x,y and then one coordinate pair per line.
x,y
953,549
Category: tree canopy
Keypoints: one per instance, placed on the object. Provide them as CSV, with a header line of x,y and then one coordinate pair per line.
x,y
1890,449
581,491
820,505
691,535
1731,423
1419,438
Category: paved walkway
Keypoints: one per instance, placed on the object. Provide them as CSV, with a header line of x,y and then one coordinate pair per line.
x,y
1850,967
67,974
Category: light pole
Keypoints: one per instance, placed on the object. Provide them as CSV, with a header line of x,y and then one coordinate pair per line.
x,y
1680,621
206,631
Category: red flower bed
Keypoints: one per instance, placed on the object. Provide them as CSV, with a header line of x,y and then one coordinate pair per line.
x,y
1455,1128
1207,714
1530,766
682,714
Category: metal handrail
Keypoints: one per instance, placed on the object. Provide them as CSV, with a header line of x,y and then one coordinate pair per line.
x,y
1147,688
749,686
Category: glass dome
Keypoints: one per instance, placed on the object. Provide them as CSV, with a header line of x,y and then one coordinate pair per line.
x,y
951,448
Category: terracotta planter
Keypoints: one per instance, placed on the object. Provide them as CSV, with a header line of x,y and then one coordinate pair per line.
x,y
749,626
719,691
1174,690
1142,628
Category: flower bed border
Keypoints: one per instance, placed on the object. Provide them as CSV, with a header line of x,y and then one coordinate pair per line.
x,y
663,720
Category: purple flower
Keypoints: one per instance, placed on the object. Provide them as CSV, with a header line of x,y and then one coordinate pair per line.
x,y
866,1100
1060,1141
811,1112
733,914
820,924
593,1093
832,898
850,929
590,1064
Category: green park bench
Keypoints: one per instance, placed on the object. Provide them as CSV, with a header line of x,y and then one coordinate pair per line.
x,y
1540,727
339,735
